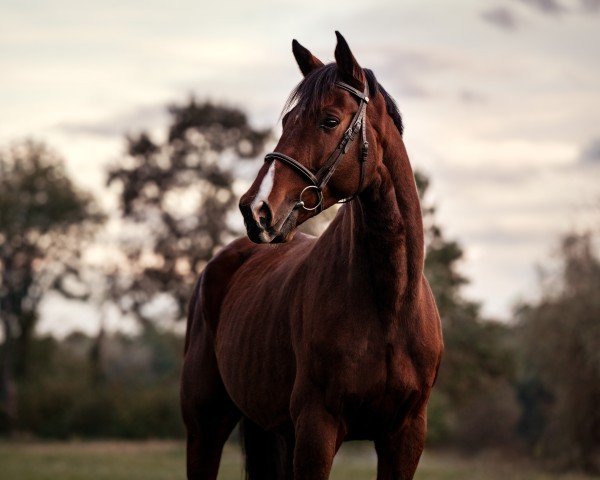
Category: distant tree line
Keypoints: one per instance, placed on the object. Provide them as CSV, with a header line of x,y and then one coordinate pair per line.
x,y
559,368
531,385
45,221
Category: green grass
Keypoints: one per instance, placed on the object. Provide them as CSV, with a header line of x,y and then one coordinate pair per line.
x,y
165,460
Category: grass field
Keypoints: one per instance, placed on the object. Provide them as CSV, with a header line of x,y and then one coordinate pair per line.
x,y
165,461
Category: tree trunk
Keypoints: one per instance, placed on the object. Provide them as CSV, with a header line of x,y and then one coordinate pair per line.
x,y
8,386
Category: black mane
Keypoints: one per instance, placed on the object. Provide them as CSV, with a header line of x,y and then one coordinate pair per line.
x,y
310,93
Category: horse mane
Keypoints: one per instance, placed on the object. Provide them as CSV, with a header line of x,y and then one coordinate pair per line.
x,y
310,93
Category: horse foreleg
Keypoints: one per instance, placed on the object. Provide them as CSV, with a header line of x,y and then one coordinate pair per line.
x,y
205,443
318,437
208,412
398,454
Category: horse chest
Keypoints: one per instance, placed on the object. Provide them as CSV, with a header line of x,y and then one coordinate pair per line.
x,y
362,369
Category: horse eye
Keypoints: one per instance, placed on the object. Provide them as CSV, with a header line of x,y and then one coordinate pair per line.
x,y
330,123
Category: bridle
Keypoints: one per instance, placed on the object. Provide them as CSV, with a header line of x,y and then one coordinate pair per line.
x,y
318,180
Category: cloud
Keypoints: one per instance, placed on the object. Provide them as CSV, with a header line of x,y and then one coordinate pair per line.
x,y
590,154
413,71
490,175
501,17
507,237
549,7
506,19
141,118
590,5
470,96
556,7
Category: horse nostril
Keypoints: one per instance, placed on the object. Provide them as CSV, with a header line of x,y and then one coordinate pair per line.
x,y
264,216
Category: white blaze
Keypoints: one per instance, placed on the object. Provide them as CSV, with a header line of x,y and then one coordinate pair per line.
x,y
265,188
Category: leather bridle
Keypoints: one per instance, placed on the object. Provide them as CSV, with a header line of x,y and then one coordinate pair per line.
x,y
317,181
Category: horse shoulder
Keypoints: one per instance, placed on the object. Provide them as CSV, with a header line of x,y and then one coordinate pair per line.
x,y
217,275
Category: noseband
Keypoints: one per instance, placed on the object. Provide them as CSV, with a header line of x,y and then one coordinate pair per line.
x,y
318,180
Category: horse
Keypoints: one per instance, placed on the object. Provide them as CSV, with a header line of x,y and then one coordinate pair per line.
x,y
309,342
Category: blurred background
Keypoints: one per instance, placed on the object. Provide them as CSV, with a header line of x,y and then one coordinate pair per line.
x,y
128,131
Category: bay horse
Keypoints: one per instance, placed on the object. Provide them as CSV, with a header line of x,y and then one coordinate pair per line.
x,y
310,342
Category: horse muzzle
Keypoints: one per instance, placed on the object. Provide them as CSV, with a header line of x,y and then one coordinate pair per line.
x,y
261,228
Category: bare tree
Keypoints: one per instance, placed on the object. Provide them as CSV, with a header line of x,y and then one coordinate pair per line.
x,y
177,197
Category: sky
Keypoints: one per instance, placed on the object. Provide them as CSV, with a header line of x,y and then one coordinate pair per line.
x,y
500,99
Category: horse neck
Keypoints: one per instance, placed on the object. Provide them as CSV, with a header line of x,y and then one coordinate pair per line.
x,y
387,230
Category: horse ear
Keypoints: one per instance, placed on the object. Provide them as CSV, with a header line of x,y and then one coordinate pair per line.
x,y
347,65
306,60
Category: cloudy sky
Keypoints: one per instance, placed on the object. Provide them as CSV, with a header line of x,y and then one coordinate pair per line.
x,y
500,98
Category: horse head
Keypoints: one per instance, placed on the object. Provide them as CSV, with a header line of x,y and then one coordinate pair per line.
x,y
328,150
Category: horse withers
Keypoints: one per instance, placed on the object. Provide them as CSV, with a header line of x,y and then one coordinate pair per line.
x,y
306,341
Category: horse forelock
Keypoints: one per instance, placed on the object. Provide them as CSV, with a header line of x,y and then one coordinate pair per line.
x,y
309,95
